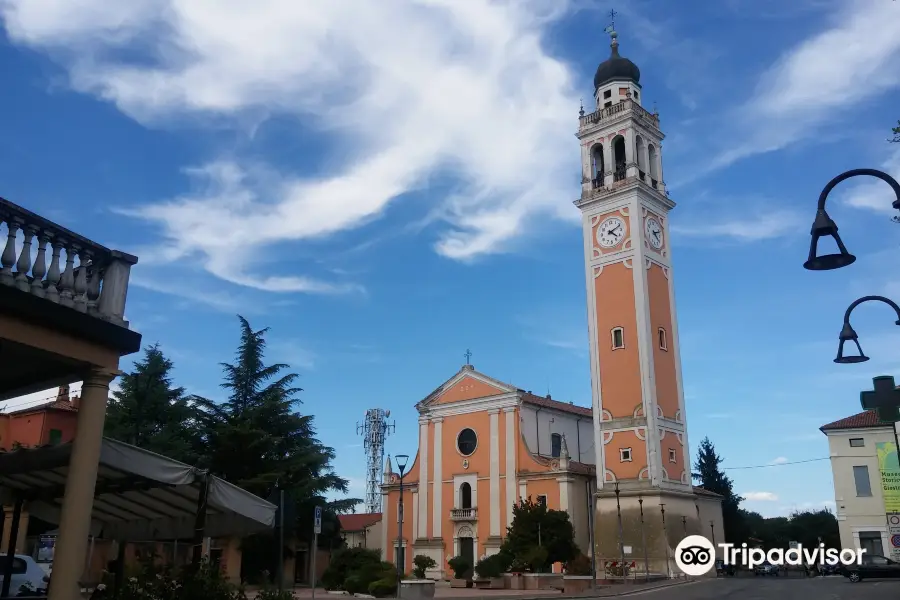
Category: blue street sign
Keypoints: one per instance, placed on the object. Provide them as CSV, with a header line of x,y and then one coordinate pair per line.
x,y
317,520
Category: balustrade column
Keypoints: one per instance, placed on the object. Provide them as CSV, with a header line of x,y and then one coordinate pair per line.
x,y
40,266
23,266
67,280
8,258
53,275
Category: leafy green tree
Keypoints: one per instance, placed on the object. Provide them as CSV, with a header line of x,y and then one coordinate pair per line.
x,y
896,131
709,475
533,526
150,412
258,441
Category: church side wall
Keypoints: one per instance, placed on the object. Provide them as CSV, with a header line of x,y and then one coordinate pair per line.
x,y
538,424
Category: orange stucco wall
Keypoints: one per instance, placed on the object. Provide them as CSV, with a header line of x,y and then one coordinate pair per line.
x,y
670,441
468,388
627,469
663,360
620,376
33,428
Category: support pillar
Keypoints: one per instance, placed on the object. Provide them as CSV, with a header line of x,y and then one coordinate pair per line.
x,y
78,502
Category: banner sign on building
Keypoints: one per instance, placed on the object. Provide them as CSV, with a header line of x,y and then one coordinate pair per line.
x,y
890,475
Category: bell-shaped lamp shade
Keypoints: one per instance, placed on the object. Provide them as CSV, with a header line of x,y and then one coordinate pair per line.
x,y
401,459
823,226
849,335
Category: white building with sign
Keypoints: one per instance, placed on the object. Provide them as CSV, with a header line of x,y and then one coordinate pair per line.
x,y
868,510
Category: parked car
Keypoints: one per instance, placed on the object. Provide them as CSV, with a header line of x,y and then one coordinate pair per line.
x,y
767,568
724,570
829,570
872,567
25,571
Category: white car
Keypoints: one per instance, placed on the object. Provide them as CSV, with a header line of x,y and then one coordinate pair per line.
x,y
26,571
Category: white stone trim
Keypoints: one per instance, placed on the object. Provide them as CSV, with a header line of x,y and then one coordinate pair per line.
x,y
384,526
422,514
675,349
458,480
463,407
596,393
436,516
495,473
645,348
510,470
523,489
415,519
462,374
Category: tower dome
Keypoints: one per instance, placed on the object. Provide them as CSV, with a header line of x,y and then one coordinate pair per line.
x,y
616,67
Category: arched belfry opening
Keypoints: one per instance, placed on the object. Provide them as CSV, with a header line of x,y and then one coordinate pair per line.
x,y
465,495
640,151
618,147
598,168
653,159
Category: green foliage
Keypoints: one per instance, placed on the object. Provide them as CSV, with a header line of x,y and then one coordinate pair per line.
x,y
462,568
492,566
896,131
271,593
344,563
580,565
383,588
805,527
533,523
159,583
421,563
709,475
148,411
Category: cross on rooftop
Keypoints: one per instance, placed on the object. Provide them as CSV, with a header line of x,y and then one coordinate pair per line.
x,y
884,399
468,355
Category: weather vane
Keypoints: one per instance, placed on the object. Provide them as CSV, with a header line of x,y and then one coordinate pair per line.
x,y
611,29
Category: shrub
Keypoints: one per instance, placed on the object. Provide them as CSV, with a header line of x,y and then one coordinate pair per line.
x,y
422,563
460,566
535,558
159,583
517,565
580,565
490,567
383,588
271,593
346,562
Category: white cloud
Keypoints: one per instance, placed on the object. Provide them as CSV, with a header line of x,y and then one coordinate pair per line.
x,y
404,90
751,228
848,63
874,194
779,461
759,496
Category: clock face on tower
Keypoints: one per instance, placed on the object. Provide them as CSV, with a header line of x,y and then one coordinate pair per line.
x,y
654,233
611,232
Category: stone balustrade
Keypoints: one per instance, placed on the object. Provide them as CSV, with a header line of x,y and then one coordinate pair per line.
x,y
39,259
620,109
463,514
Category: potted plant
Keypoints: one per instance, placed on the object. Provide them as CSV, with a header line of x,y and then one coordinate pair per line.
x,y
462,572
490,572
421,564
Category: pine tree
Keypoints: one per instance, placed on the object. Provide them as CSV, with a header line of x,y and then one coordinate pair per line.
x,y
709,475
896,131
149,412
258,441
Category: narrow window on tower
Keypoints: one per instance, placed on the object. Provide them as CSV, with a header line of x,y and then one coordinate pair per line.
x,y
672,455
624,454
607,94
618,338
663,342
607,104
636,96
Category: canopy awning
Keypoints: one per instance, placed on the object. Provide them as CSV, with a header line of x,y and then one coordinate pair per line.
x,y
139,495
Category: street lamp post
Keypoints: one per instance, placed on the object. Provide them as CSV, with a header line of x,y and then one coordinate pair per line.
x,y
662,510
848,334
823,226
621,533
401,551
644,541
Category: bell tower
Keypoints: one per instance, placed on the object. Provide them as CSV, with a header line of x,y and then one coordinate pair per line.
x,y
640,426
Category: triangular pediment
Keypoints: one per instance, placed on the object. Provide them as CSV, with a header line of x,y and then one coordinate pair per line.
x,y
467,384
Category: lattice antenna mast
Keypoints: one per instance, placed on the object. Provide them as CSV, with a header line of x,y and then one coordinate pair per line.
x,y
374,430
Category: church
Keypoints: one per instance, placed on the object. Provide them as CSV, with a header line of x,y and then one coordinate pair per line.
x,y
622,467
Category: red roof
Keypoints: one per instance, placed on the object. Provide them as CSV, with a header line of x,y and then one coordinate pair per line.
x,y
548,402
358,522
862,420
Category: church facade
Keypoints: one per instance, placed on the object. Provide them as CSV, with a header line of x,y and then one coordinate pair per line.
x,y
625,461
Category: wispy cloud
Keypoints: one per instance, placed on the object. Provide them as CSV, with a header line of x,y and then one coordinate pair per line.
x,y
187,290
875,195
747,228
779,461
372,76
760,496
293,353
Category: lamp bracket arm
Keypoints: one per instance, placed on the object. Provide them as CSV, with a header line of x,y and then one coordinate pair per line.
x,y
854,173
859,301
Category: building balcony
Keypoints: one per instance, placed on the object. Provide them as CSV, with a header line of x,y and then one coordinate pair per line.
x,y
625,108
62,304
463,514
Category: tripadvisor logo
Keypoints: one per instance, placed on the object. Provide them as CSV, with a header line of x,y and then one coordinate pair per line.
x,y
695,555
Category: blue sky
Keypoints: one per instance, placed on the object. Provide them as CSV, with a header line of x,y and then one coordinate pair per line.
x,y
388,184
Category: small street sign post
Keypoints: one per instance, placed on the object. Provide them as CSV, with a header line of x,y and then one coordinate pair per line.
x,y
317,529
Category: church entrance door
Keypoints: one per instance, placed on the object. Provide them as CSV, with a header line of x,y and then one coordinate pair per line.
x,y
467,549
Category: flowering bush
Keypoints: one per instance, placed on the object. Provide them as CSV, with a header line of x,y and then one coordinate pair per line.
x,y
160,583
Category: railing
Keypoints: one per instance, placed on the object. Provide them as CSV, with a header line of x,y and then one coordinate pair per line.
x,y
463,514
610,112
98,286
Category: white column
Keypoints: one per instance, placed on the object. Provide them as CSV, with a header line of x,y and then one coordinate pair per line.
x,y
523,490
415,519
495,473
422,519
437,516
565,495
387,512
510,463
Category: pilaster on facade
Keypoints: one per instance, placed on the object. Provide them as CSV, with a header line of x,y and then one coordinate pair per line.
x,y
437,515
422,515
494,518
510,467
